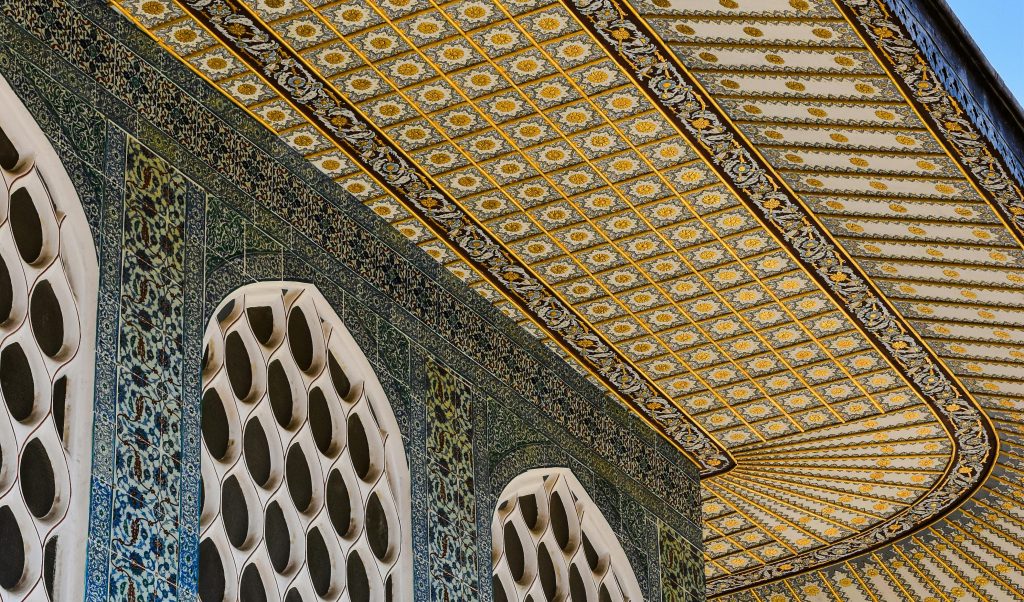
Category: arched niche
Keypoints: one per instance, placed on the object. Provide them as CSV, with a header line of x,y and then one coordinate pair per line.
x,y
306,488
551,542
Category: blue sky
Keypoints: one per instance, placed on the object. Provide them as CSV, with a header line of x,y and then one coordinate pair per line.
x,y
996,26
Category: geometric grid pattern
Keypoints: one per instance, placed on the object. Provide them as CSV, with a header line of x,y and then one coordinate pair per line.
x,y
47,327
804,382
660,259
652,249
545,511
304,470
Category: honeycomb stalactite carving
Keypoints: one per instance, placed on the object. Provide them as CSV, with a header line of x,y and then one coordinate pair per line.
x,y
47,310
305,482
551,543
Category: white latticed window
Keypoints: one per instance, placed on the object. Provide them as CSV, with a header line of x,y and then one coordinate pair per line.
x,y
48,290
305,482
551,543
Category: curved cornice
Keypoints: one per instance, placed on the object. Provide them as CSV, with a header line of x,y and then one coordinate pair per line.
x,y
627,37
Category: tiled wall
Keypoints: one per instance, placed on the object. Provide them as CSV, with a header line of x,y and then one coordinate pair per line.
x,y
188,199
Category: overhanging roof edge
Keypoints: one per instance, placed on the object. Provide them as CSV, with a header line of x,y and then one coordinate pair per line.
x,y
968,75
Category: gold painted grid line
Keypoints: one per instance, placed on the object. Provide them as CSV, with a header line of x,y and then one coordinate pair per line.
x,y
739,549
955,575
796,198
892,578
752,475
860,580
980,526
655,230
609,241
1004,516
793,526
795,500
750,519
876,52
827,351
729,249
813,439
797,262
966,556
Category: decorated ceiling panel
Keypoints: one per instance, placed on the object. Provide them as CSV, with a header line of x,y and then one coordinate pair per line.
x,y
763,226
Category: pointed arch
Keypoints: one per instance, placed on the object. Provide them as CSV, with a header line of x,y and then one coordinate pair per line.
x,y
305,480
49,284
551,542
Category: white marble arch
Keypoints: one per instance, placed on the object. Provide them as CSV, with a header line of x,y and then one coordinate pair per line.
x,y
551,542
305,479
49,284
